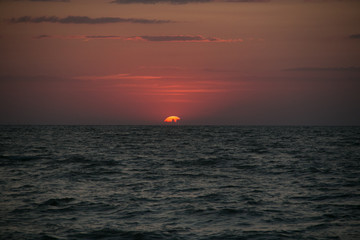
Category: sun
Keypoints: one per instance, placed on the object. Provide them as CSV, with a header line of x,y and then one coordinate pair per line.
x,y
171,119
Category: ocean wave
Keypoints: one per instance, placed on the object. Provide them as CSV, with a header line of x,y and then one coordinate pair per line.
x,y
112,234
131,182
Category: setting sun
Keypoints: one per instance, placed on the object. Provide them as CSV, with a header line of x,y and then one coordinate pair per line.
x,y
171,119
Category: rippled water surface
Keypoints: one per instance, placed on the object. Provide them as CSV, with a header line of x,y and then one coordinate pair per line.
x,y
179,182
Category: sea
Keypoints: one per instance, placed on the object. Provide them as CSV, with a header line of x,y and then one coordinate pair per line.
x,y
179,182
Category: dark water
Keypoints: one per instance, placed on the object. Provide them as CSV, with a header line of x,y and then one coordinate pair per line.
x,y
177,182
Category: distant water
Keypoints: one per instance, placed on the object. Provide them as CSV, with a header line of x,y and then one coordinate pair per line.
x,y
179,182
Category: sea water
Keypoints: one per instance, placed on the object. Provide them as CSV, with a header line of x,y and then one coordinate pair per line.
x,y
179,182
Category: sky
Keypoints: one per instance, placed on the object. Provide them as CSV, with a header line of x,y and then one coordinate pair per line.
x,y
222,62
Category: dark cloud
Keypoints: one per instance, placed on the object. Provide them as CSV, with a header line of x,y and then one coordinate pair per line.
x,y
38,0
355,36
85,20
337,69
160,1
175,38
180,1
243,1
164,38
49,0
79,37
182,38
217,70
103,37
43,36
322,1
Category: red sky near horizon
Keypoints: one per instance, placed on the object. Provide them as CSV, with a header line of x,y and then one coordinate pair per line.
x,y
209,62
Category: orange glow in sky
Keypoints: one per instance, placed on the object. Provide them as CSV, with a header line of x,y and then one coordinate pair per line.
x,y
171,119
213,62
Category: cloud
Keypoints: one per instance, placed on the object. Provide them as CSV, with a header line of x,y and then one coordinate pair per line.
x,y
43,36
160,1
158,85
171,68
355,36
42,0
49,0
80,37
243,1
216,70
85,20
337,69
321,1
164,38
180,1
121,76
183,38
